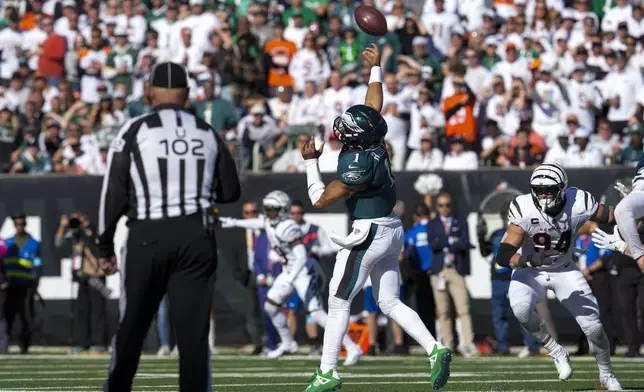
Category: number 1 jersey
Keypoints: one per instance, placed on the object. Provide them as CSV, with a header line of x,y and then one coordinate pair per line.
x,y
544,232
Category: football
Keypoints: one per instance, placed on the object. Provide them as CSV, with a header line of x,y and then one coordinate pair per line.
x,y
370,20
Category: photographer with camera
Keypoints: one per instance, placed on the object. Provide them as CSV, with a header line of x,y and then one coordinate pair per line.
x,y
89,308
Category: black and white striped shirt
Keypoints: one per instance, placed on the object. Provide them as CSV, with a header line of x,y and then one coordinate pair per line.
x,y
165,164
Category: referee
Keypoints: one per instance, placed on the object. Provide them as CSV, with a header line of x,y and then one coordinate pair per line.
x,y
165,171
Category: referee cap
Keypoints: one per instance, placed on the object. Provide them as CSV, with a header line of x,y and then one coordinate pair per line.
x,y
169,75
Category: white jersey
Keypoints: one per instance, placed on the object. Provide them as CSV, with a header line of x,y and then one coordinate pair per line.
x,y
335,103
280,239
544,232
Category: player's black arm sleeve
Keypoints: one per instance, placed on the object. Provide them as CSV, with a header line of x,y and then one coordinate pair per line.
x,y
114,198
506,251
227,187
604,215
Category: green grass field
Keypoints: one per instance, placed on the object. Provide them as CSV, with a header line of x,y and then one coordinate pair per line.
x,y
243,373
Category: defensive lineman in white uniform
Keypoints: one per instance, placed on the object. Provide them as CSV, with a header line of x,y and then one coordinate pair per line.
x,y
542,227
285,238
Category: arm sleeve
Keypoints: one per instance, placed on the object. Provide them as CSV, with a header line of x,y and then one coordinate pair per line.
x,y
114,194
227,187
253,224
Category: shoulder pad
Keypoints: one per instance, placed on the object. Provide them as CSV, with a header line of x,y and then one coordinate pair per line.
x,y
519,210
288,231
584,202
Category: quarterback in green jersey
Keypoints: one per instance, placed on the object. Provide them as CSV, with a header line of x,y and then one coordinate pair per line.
x,y
364,181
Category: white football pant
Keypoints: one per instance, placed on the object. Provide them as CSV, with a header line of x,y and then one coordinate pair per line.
x,y
528,286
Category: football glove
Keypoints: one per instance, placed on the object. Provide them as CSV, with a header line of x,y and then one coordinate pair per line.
x,y
539,259
607,241
228,223
621,188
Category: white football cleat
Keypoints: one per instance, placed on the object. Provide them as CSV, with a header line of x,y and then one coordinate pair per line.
x,y
281,350
175,352
164,351
213,350
610,383
562,362
353,357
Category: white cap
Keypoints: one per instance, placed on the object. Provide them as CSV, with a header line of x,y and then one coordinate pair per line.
x,y
520,2
69,3
547,63
560,35
204,76
419,40
579,66
568,13
491,40
196,2
582,132
257,109
120,30
489,12
458,29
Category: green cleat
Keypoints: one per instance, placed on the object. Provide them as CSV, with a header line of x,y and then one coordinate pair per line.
x,y
323,382
439,361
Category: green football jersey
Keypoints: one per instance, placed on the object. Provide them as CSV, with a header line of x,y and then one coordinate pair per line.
x,y
371,167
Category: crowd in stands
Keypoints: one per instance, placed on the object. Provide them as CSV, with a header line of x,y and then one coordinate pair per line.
x,y
468,83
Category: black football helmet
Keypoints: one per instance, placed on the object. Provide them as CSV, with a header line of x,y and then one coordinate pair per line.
x,y
360,127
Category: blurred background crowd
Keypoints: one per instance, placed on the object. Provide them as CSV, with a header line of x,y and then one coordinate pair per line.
x,y
468,83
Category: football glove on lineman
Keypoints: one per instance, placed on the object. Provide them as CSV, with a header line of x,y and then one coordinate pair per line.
x,y
539,259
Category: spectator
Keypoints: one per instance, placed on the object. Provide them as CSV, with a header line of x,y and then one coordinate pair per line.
x,y
427,158
440,24
258,18
309,108
582,154
12,42
249,69
495,105
459,112
281,106
280,51
16,95
558,151
493,145
424,118
490,58
297,30
336,99
9,138
31,160
448,236
216,111
258,127
607,143
309,63
524,153
512,66
459,158
548,104
395,111
476,74
50,141
620,89
631,154
298,8
345,9
291,161
585,99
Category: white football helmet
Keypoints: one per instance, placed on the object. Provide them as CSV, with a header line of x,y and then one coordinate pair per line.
x,y
277,205
548,184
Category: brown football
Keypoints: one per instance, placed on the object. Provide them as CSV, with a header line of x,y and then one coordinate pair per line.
x,y
370,20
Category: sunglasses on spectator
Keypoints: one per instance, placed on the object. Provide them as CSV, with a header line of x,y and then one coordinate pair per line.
x,y
297,212
248,212
445,205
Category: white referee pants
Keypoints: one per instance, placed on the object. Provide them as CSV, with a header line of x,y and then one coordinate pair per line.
x,y
627,212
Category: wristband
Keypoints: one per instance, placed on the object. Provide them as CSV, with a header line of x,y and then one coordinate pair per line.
x,y
314,180
376,75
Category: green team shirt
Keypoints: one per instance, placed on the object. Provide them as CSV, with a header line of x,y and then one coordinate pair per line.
x,y
371,167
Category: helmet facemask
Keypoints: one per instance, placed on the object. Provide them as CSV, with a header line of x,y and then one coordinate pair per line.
x,y
547,198
273,214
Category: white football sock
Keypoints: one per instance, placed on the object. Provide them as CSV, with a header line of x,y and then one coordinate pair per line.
x,y
334,333
320,318
410,322
600,346
211,334
280,322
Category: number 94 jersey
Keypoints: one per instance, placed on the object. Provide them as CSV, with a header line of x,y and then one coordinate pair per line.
x,y
545,232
